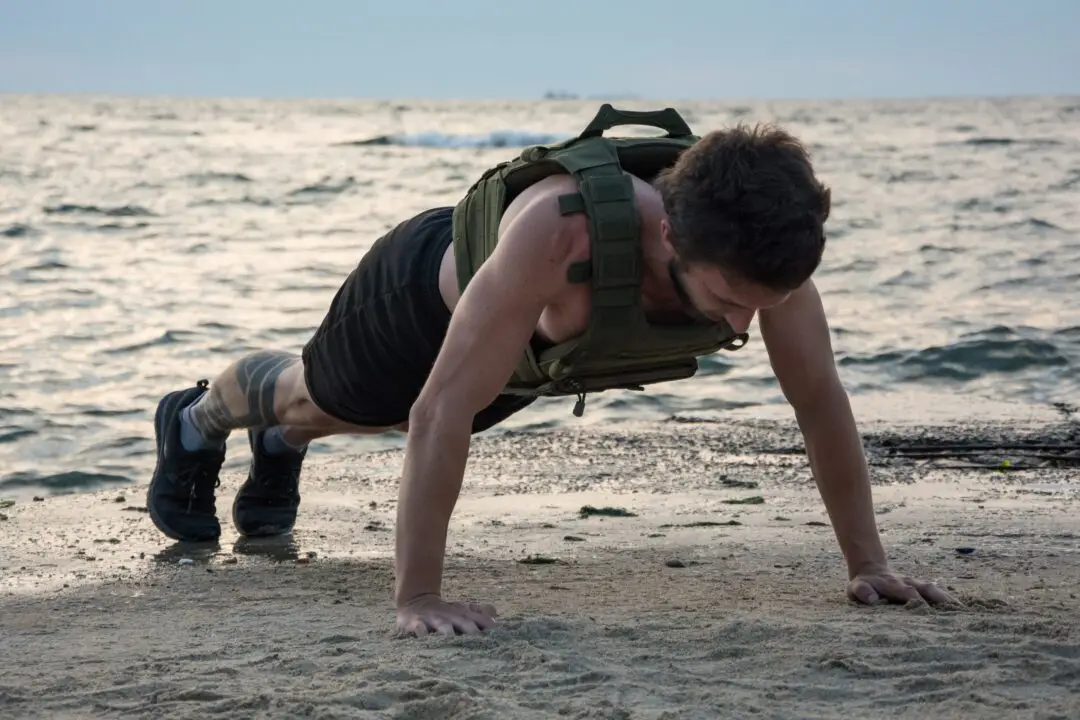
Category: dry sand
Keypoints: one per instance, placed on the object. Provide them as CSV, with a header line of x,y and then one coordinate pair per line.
x,y
100,618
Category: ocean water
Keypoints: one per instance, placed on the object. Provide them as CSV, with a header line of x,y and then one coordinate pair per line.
x,y
145,243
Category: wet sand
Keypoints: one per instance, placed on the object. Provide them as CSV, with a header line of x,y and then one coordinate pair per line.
x,y
695,604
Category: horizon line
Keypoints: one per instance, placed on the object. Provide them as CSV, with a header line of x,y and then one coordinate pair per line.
x,y
568,99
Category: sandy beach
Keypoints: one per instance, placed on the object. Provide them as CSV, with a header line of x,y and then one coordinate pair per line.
x,y
718,594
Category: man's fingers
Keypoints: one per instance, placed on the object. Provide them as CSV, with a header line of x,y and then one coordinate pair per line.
x,y
466,626
895,589
431,614
483,609
863,592
936,595
483,614
870,589
482,620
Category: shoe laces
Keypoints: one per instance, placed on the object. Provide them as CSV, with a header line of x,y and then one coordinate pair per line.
x,y
200,476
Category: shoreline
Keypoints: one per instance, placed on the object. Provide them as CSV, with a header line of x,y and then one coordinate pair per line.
x,y
693,606
906,407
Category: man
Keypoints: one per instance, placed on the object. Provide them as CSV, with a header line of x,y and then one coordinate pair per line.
x,y
454,320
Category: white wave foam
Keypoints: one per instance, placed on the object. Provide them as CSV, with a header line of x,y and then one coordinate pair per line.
x,y
495,139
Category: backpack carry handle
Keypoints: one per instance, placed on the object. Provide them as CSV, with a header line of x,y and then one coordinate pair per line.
x,y
608,117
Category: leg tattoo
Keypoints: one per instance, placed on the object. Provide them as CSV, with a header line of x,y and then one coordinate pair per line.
x,y
243,395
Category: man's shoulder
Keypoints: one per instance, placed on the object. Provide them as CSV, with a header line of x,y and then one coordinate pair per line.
x,y
536,216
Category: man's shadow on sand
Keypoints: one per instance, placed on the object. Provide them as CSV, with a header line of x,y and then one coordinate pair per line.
x,y
281,548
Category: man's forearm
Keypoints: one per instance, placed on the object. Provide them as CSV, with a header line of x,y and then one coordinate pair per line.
x,y
435,455
840,471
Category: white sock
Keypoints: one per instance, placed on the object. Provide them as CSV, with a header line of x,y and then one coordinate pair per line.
x,y
192,438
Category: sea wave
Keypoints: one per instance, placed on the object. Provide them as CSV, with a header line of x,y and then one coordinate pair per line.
x,y
998,350
494,139
77,209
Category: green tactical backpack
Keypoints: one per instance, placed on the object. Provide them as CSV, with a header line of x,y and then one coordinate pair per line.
x,y
619,348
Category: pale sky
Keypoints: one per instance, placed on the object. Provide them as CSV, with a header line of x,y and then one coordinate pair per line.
x,y
519,49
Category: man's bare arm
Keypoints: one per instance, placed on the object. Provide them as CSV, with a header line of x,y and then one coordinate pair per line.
x,y
796,335
488,333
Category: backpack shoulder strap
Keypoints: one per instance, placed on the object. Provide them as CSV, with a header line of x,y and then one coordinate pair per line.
x,y
606,196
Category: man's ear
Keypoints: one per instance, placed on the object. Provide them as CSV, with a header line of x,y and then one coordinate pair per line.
x,y
665,235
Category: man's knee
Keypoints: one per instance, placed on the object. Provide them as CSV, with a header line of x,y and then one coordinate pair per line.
x,y
294,406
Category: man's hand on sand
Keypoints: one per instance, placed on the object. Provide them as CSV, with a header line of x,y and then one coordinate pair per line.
x,y
872,586
431,614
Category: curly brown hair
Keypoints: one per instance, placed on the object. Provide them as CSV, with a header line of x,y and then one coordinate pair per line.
x,y
746,200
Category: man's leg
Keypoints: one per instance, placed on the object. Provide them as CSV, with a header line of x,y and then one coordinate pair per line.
x,y
257,391
365,363
263,392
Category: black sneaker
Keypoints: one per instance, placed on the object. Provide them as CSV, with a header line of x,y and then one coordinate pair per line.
x,y
181,494
267,502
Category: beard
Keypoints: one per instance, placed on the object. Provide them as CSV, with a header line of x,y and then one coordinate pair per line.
x,y
677,271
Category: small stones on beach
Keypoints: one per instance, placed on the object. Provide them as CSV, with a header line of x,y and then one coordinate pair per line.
x,y
817,523
573,538
539,560
674,563
704,523
752,500
3,517
965,550
589,511
119,499
38,498
185,561
6,503
742,484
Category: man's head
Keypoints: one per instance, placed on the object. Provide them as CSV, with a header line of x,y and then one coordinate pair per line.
x,y
746,218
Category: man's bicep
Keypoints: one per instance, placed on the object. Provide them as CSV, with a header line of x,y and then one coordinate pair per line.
x,y
497,314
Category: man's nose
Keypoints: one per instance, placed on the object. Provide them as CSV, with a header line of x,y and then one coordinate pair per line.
x,y
740,319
